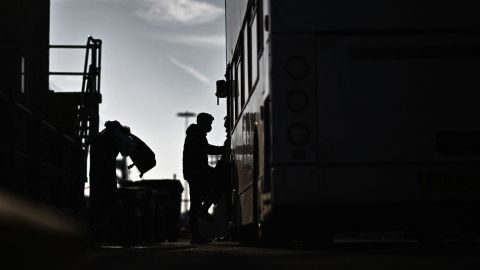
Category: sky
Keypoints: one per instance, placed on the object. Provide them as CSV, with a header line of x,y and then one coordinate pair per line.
x,y
159,57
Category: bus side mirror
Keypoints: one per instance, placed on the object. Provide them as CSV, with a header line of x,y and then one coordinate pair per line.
x,y
222,89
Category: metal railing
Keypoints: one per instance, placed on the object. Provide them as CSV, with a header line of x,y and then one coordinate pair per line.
x,y
87,117
40,161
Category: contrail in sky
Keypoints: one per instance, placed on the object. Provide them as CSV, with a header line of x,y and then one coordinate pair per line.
x,y
190,70
214,41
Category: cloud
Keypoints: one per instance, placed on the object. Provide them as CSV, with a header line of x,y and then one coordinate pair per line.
x,y
188,12
190,70
217,41
99,1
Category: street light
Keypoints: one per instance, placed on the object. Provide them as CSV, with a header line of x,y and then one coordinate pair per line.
x,y
187,115
186,197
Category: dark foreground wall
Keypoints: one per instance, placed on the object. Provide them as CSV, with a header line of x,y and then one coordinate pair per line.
x,y
37,160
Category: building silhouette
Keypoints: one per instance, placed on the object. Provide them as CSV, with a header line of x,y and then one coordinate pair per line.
x,y
44,138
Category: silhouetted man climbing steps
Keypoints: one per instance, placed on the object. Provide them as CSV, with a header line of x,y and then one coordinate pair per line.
x,y
196,170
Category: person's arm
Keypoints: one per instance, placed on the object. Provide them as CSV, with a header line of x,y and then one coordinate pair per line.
x,y
215,150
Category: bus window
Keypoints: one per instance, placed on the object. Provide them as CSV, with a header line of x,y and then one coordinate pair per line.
x,y
259,25
232,97
238,89
253,55
246,65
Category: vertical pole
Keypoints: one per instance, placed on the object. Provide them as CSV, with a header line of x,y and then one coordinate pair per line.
x,y
186,195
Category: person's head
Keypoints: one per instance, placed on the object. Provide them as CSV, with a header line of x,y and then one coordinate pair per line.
x,y
204,121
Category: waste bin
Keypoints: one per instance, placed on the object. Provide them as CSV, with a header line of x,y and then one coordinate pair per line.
x,y
169,194
137,215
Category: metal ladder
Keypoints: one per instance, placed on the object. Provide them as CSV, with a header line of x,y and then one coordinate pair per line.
x,y
89,98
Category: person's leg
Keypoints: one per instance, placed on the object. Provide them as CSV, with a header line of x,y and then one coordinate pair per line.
x,y
196,194
195,204
211,195
211,199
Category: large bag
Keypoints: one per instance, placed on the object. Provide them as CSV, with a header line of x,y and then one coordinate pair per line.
x,y
130,145
142,156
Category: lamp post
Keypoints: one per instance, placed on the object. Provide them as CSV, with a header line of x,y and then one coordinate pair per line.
x,y
187,115
186,196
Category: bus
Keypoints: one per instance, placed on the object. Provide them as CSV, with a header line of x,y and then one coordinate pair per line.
x,y
353,116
